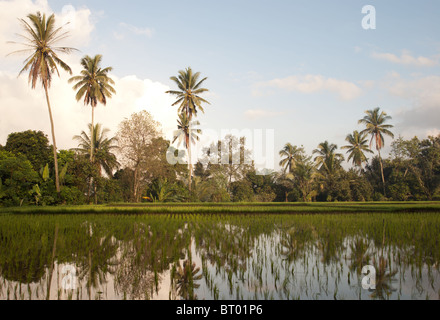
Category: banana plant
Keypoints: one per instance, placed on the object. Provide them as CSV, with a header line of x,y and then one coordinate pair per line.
x,y
36,193
44,173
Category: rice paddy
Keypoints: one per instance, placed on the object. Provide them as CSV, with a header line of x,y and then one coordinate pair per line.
x,y
252,256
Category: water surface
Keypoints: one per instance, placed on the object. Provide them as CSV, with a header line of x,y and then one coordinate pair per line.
x,y
225,257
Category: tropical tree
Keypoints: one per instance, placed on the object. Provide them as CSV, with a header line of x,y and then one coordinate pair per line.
x,y
41,36
187,133
33,144
137,150
304,174
188,97
358,145
376,127
290,157
104,158
327,159
94,85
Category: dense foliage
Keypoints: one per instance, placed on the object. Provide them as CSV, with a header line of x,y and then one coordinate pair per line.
x,y
411,173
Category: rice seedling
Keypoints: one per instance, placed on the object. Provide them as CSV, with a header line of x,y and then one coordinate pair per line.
x,y
253,255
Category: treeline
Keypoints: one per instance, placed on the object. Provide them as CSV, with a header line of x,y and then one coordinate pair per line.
x,y
133,167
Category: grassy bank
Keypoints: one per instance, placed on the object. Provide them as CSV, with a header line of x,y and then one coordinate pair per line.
x,y
233,208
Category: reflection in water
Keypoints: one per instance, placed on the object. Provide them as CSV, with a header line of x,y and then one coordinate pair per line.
x,y
219,257
184,280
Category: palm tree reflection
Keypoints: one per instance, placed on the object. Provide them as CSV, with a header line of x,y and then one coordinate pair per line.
x,y
183,280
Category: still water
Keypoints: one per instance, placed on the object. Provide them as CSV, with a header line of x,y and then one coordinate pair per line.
x,y
251,257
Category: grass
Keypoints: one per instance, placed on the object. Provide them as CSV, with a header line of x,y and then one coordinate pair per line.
x,y
232,208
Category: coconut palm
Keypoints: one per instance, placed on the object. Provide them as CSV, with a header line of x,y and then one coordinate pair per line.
x,y
94,85
41,36
104,158
187,133
290,154
358,145
103,146
188,99
327,159
305,174
188,96
185,279
376,127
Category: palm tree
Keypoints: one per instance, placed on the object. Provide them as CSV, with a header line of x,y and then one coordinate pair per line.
x,y
104,158
376,127
188,98
327,159
357,148
189,135
305,173
40,37
290,154
103,146
94,85
189,92
185,279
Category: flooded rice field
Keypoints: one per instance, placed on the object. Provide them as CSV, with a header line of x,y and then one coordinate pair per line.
x,y
227,257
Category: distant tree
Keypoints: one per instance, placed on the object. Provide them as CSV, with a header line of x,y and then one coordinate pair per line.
x,y
104,157
242,191
417,165
290,154
40,37
135,136
376,127
17,178
187,132
228,158
358,145
327,160
33,144
305,175
94,85
189,101
104,146
188,95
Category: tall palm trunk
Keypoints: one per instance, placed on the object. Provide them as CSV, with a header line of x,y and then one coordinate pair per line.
x,y
381,171
190,165
189,148
92,142
57,181
92,147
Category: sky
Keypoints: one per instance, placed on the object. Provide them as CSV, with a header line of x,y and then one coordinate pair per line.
x,y
304,70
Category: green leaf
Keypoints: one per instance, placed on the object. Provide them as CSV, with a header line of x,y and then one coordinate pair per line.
x,y
45,173
63,173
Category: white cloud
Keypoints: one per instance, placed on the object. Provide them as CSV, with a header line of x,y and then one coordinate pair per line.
x,y
138,31
406,59
23,109
75,21
254,114
311,84
421,114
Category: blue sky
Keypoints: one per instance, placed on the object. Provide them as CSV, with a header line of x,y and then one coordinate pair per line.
x,y
304,68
